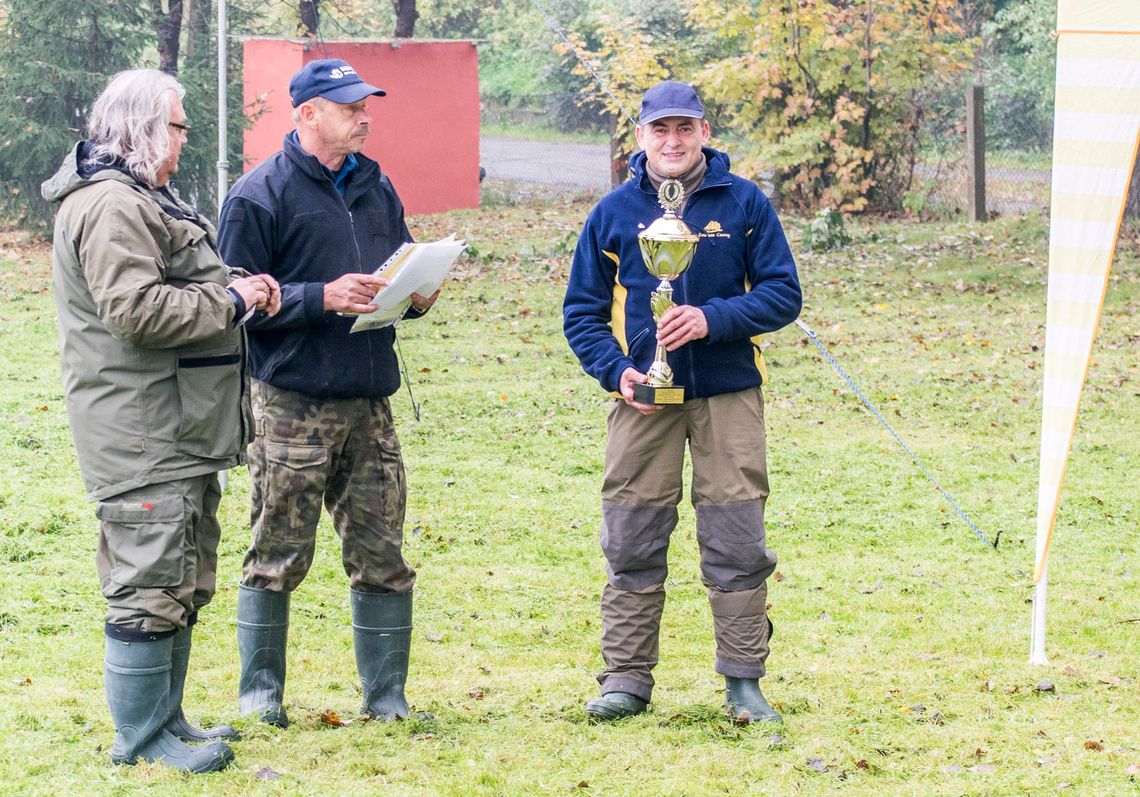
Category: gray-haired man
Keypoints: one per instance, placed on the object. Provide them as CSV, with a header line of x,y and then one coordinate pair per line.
x,y
152,368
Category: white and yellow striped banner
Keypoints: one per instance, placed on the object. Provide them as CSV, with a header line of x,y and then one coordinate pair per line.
x,y
1096,135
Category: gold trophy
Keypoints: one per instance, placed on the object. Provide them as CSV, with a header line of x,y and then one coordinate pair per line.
x,y
667,247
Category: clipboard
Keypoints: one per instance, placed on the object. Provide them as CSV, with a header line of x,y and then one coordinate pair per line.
x,y
412,268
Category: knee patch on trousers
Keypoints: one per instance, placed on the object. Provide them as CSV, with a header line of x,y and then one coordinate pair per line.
x,y
733,552
635,540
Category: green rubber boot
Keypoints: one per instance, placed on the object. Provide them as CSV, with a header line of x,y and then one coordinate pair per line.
x,y
262,628
382,636
615,706
137,682
745,703
179,663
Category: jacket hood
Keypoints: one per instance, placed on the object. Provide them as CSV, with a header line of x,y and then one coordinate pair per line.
x,y
718,166
68,178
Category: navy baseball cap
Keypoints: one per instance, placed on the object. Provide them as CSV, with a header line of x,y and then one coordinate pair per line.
x,y
670,98
332,79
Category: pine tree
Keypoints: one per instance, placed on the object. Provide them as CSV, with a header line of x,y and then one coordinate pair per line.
x,y
55,57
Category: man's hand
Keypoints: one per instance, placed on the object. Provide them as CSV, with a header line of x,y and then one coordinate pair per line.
x,y
422,304
352,293
681,324
629,377
260,291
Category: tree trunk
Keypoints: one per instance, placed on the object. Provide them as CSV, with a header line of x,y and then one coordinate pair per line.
x,y
406,16
310,11
198,16
168,26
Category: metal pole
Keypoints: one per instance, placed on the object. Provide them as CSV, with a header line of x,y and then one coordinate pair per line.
x,y
223,143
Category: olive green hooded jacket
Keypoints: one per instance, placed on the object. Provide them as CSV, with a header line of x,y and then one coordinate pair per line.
x,y
153,365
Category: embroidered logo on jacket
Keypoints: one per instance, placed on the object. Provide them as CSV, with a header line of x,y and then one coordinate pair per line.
x,y
714,230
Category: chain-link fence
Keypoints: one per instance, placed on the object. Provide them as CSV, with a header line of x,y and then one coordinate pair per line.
x,y
1017,161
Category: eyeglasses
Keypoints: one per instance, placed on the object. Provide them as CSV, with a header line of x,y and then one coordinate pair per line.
x,y
181,127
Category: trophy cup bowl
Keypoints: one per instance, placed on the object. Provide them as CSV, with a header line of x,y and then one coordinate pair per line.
x,y
667,247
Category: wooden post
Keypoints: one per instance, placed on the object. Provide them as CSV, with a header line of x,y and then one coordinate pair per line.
x,y
976,153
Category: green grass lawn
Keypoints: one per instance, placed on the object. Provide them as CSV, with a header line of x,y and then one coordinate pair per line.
x,y
900,660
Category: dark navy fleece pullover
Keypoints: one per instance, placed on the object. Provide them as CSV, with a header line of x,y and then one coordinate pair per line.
x,y
743,278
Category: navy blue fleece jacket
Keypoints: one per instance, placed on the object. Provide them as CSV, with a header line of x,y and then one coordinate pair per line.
x,y
286,218
743,278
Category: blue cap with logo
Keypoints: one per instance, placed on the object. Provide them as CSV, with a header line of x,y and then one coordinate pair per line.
x,y
670,98
332,79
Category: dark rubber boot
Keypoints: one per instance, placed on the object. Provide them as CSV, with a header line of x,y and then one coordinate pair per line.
x,y
745,703
382,636
262,627
137,682
179,663
615,706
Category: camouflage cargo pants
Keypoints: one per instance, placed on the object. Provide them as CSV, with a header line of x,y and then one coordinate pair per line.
x,y
339,452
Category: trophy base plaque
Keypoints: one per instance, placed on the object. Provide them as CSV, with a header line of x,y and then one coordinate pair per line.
x,y
655,394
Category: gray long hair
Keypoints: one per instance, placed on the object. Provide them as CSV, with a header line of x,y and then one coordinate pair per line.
x,y
130,121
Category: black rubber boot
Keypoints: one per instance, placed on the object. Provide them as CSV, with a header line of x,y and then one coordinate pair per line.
x,y
137,681
382,636
615,706
179,663
262,627
745,703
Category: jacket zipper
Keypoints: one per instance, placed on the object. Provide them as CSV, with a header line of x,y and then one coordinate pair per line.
x,y
360,269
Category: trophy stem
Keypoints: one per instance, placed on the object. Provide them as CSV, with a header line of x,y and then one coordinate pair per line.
x,y
667,247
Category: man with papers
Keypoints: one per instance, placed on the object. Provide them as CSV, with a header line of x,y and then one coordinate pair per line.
x,y
322,218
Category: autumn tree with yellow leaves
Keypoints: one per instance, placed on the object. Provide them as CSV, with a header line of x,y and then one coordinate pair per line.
x,y
823,98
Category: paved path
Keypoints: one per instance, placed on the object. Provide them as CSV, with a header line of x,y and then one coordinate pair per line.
x,y
553,163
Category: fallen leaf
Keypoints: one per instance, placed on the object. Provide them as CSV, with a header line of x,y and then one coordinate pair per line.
x,y
582,785
1111,680
265,773
330,717
778,576
862,764
1071,671
816,764
1093,744
1133,769
433,637
478,694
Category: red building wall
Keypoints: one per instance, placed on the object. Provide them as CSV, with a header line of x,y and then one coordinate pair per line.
x,y
425,133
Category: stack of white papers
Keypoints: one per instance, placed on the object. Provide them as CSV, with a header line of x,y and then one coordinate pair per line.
x,y
413,268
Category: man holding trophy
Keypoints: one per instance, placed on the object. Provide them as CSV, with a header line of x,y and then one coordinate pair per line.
x,y
665,310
